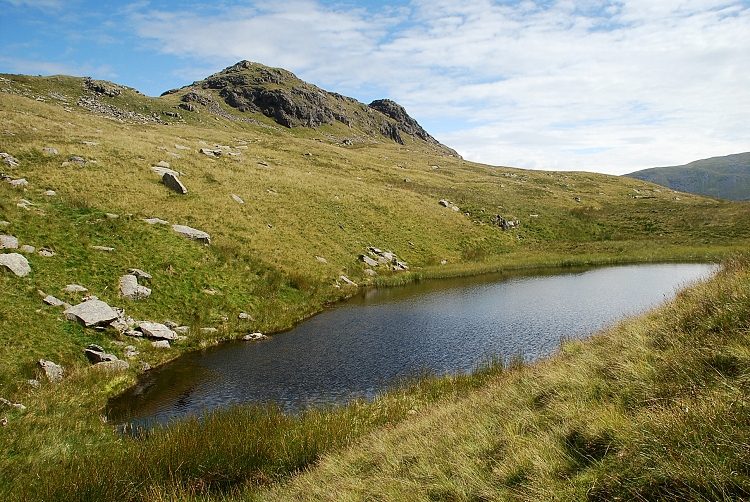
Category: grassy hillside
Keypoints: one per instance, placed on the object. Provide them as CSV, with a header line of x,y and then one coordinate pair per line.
x,y
314,200
725,177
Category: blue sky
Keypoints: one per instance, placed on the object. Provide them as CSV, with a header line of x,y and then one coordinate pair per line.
x,y
610,86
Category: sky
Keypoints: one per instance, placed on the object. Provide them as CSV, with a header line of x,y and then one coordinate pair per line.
x,y
607,86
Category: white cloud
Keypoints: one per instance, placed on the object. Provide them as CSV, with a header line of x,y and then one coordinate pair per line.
x,y
612,87
37,67
41,4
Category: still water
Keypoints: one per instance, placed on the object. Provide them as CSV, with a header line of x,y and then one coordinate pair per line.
x,y
362,346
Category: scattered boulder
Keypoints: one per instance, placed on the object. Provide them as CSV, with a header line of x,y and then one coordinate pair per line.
x,y
16,263
174,183
53,372
75,159
504,223
9,404
577,199
209,152
244,316
129,288
370,272
161,171
8,159
19,183
47,253
50,193
160,344
320,259
92,313
188,106
192,233
156,330
254,337
237,199
48,150
112,366
368,261
106,249
182,330
8,242
130,352
111,216
348,281
55,302
27,249
75,288
139,273
33,383
95,354
155,221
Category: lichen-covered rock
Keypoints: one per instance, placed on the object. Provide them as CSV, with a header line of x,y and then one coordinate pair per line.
x,y
16,263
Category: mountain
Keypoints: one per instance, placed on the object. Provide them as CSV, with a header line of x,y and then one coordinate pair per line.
x,y
291,102
726,177
250,200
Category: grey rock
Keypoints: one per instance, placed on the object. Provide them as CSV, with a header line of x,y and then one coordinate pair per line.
x,y
444,203
170,324
251,337
95,354
50,193
48,150
139,273
53,372
19,183
8,159
133,333
129,288
244,316
181,147
209,330
112,366
9,404
130,352
182,330
174,183
348,281
368,261
111,216
106,249
8,242
156,330
76,159
55,302
320,259
27,249
33,383
237,198
161,171
16,263
192,233
75,288
92,313
47,253
209,152
162,163
156,221
370,272
161,344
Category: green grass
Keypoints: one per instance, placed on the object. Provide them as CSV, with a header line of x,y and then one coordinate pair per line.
x,y
333,203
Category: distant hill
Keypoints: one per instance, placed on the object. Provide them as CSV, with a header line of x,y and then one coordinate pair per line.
x,y
725,177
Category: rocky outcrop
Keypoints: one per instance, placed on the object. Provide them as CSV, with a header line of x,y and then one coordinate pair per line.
x,y
102,87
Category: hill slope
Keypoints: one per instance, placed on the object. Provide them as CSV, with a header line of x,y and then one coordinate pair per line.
x,y
289,210
726,177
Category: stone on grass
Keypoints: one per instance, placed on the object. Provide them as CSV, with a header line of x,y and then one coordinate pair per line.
x,y
139,273
156,330
19,183
16,263
161,171
106,249
112,366
8,242
370,272
111,216
9,404
244,316
320,259
50,193
8,159
160,344
48,150
209,330
75,288
156,221
95,354
182,330
53,372
55,302
130,351
162,163
192,233
347,280
172,182
368,261
209,152
4,223
27,249
237,199
129,288
47,253
92,313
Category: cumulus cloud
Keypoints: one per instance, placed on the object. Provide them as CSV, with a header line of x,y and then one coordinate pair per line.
x,y
608,86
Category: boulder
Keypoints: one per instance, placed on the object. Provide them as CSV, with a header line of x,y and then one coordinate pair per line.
x,y
55,302
112,366
27,249
192,233
160,344
237,198
251,337
9,404
155,221
8,159
130,352
48,150
92,313
106,249
50,193
161,171
129,288
156,330
8,242
368,261
47,253
95,354
173,182
348,281
182,330
320,259
75,288
244,316
139,273
16,263
19,183
53,372
370,272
